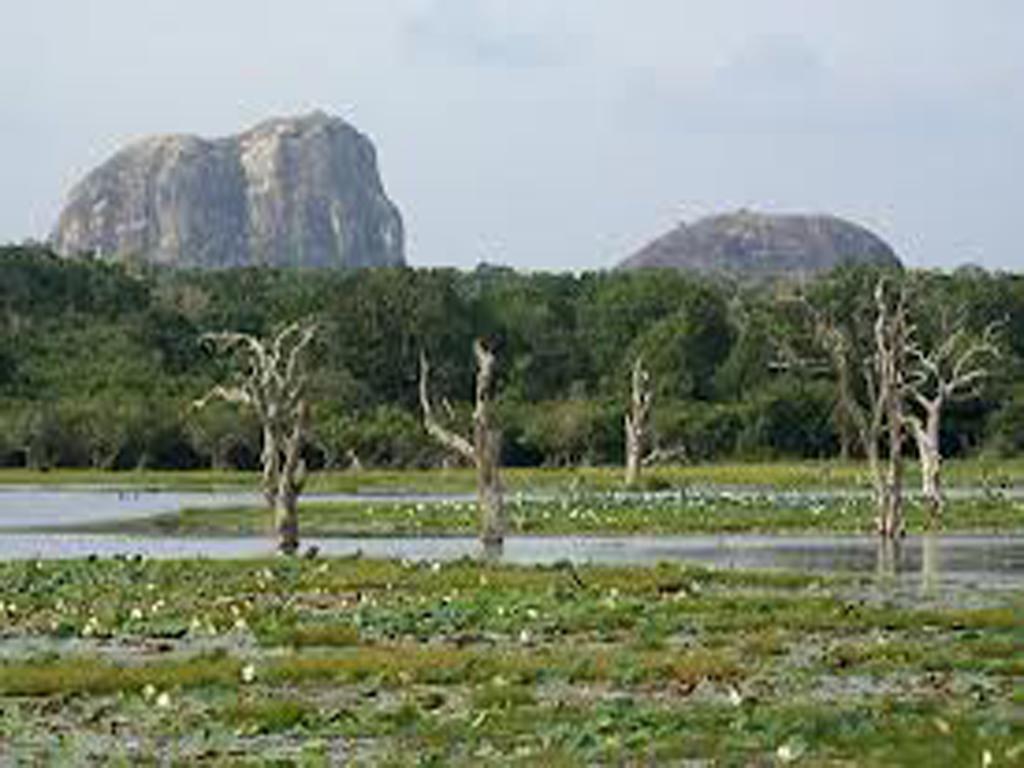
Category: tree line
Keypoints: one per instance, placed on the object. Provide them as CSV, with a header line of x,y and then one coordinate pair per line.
x,y
100,363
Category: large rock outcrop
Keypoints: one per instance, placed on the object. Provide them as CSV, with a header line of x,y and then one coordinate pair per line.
x,y
299,191
748,245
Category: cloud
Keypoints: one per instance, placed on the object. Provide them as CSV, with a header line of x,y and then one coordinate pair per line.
x,y
485,33
780,85
773,67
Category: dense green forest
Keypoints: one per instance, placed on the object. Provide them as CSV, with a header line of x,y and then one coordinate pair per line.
x,y
99,362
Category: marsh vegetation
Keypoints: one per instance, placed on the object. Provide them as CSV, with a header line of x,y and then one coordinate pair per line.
x,y
419,663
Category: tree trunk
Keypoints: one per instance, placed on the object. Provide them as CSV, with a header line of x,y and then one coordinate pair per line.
x,y
286,523
290,482
271,460
930,456
273,386
633,453
929,563
487,454
484,451
490,497
877,474
891,512
954,366
891,523
636,422
891,344
844,444
887,559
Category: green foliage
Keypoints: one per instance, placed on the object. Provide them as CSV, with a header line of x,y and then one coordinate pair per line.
x,y
567,432
99,363
684,350
791,418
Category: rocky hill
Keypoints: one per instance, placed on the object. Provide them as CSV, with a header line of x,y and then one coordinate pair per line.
x,y
748,245
301,191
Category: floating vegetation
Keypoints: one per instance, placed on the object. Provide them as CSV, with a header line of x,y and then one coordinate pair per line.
x,y
315,662
608,513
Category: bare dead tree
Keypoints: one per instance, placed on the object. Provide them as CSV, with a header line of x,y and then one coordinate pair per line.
x,y
887,383
637,421
952,369
483,451
875,409
271,380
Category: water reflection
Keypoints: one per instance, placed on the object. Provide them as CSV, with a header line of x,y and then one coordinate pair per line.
x,y
890,560
928,562
492,551
68,507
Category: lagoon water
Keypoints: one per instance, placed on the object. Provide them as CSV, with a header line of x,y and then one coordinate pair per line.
x,y
30,507
984,560
989,561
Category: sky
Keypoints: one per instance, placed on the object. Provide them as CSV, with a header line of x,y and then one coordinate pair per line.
x,y
557,134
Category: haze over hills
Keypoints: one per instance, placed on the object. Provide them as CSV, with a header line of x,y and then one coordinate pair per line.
x,y
302,191
751,245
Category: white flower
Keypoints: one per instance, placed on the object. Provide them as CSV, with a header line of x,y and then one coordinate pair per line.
x,y
148,692
790,751
248,673
734,697
163,701
986,759
136,614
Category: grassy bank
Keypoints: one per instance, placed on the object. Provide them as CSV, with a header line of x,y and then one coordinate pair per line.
x,y
273,662
805,475
590,514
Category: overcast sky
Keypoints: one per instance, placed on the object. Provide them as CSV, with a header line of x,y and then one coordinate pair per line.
x,y
558,134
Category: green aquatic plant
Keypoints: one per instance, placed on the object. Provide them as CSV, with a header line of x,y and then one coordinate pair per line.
x,y
465,663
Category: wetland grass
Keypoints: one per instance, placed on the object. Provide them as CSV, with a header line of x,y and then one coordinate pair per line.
x,y
381,662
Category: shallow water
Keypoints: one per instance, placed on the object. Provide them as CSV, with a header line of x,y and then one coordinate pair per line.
x,y
26,507
992,561
30,507
962,560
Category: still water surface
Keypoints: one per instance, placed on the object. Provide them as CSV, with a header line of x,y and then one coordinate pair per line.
x,y
989,561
